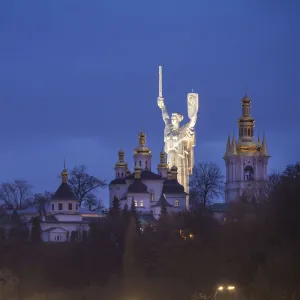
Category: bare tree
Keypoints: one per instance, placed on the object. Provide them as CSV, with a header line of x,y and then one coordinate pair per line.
x,y
41,200
206,182
82,183
274,179
16,194
292,171
92,203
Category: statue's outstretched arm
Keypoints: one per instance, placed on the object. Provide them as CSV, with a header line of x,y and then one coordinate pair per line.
x,y
192,122
165,115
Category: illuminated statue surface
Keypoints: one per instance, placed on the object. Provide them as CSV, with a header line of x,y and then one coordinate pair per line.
x,y
179,142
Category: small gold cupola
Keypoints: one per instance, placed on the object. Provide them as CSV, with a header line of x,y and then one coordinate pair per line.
x,y
174,171
64,174
169,175
162,167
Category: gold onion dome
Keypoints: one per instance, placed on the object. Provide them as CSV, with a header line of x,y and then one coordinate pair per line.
x,y
246,99
64,174
142,148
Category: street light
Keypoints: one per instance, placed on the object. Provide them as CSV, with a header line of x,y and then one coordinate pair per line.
x,y
229,288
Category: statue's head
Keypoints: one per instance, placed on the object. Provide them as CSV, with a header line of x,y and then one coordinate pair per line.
x,y
176,119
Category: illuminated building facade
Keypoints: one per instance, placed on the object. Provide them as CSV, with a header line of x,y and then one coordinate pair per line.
x,y
246,160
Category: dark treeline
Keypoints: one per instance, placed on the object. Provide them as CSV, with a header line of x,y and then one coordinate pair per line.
x,y
184,257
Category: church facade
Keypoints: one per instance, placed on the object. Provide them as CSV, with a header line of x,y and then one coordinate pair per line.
x,y
246,160
62,219
144,188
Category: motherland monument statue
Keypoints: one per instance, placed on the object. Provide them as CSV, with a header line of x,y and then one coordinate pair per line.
x,y
179,142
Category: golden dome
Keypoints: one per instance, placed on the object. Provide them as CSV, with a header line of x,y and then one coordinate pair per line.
x,y
246,99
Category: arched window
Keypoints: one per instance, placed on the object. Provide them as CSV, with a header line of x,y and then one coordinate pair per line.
x,y
122,174
140,163
248,173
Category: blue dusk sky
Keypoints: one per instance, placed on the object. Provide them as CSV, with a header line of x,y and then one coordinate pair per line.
x,y
78,78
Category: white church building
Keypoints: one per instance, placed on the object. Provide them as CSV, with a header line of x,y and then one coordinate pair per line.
x,y
145,188
62,218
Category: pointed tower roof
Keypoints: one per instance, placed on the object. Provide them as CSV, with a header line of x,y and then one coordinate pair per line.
x,y
233,145
264,150
228,147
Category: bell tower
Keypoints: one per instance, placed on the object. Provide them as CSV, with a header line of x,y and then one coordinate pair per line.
x,y
246,160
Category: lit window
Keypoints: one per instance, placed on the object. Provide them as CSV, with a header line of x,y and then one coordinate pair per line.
x,y
176,204
135,203
141,203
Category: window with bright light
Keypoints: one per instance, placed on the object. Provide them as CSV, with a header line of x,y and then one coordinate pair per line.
x,y
141,203
176,203
135,203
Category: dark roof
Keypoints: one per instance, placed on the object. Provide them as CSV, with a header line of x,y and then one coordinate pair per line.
x,y
219,207
145,175
172,186
162,200
147,219
137,187
118,181
64,192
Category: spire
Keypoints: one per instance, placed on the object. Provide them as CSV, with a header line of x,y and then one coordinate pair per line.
x,y
160,82
228,146
233,145
64,173
264,150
